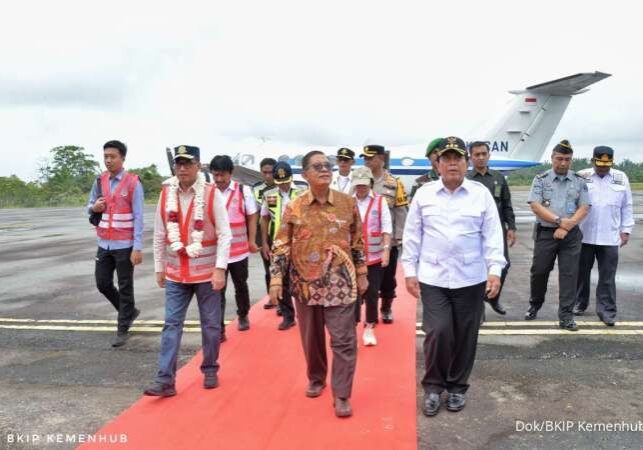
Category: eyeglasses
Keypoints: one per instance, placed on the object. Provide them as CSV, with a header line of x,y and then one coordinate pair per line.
x,y
318,167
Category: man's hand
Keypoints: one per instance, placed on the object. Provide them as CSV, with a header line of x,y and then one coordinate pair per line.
x,y
136,257
567,224
265,251
362,284
560,233
160,279
218,279
511,237
99,205
276,294
625,238
386,258
253,247
413,286
493,286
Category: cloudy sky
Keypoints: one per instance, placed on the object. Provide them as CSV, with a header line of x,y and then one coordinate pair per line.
x,y
225,75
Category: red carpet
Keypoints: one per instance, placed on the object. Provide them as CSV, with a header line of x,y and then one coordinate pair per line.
x,y
260,403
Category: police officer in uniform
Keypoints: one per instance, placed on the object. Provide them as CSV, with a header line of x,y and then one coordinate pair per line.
x,y
607,226
560,201
342,179
258,189
392,189
497,185
431,175
273,206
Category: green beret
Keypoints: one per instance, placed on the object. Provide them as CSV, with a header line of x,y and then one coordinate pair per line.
x,y
433,145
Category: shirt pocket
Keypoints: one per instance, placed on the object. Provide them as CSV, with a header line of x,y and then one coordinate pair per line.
x,y
429,257
616,193
470,218
470,257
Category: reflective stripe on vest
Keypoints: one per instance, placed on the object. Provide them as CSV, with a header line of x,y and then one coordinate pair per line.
x,y
182,268
236,207
117,222
372,231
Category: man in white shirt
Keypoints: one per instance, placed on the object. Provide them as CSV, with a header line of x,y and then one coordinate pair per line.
x,y
377,227
191,245
342,180
453,254
242,214
607,226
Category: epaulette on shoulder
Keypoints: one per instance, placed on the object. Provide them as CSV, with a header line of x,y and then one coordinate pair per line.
x,y
542,175
584,173
257,184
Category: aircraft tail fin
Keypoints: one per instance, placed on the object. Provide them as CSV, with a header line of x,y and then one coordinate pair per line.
x,y
527,126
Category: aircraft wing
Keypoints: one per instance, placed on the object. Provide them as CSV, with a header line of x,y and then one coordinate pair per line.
x,y
245,175
573,84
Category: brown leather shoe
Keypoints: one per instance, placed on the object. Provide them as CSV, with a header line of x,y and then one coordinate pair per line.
x,y
314,390
343,407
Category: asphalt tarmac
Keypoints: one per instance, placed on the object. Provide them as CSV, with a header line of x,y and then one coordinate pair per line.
x,y
532,386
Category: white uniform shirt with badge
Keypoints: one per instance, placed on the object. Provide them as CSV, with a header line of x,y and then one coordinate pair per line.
x,y
362,206
342,183
250,205
611,213
453,240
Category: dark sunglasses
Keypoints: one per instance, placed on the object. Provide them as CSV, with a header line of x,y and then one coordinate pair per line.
x,y
318,167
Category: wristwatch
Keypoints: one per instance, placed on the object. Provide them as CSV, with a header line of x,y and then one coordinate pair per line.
x,y
557,220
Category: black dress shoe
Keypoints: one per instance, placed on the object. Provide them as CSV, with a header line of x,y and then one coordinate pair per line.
x,y
608,322
455,402
160,390
286,324
120,339
210,381
578,312
314,389
387,316
244,323
431,404
343,407
531,313
568,325
497,306
269,305
135,314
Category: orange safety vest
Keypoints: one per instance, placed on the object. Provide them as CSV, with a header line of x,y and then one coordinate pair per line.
x,y
117,222
372,231
236,207
180,267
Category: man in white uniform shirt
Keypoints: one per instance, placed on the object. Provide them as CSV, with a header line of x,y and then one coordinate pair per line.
x,y
453,254
243,215
607,226
342,180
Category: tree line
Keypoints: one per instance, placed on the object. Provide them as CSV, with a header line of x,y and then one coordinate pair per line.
x,y
66,177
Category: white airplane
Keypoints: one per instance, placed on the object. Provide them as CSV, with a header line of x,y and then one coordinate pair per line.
x,y
517,139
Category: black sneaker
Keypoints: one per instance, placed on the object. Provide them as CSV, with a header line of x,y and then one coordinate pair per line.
x,y
210,381
455,402
578,311
120,339
431,404
387,317
244,323
568,325
286,324
531,313
160,390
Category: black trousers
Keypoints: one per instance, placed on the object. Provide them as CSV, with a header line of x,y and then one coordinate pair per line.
x,y
122,299
607,257
546,250
239,273
389,283
370,298
451,320
503,274
266,268
285,304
